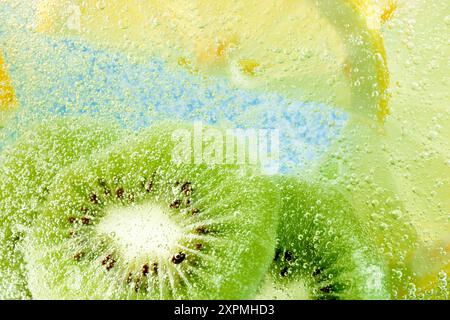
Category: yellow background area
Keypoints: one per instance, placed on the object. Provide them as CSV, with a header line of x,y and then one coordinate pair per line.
x,y
7,97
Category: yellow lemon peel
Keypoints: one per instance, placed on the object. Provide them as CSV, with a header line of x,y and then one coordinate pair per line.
x,y
7,95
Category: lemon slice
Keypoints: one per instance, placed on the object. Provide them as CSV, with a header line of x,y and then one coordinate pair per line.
x,y
7,96
325,51
320,50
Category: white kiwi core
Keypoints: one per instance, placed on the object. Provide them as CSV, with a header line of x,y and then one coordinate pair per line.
x,y
141,230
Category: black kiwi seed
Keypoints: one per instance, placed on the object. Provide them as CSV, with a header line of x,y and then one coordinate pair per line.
x,y
317,272
93,198
129,278
78,256
284,272
201,230
178,258
148,186
288,256
108,262
175,204
155,268
198,246
195,211
85,220
119,193
17,236
186,188
72,220
326,289
145,270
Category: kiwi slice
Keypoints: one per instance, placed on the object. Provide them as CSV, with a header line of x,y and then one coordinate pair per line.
x,y
26,169
362,168
323,251
130,223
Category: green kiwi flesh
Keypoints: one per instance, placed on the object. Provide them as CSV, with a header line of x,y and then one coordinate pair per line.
x,y
323,251
26,169
132,224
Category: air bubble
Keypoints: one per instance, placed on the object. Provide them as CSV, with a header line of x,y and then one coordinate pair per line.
x,y
101,5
